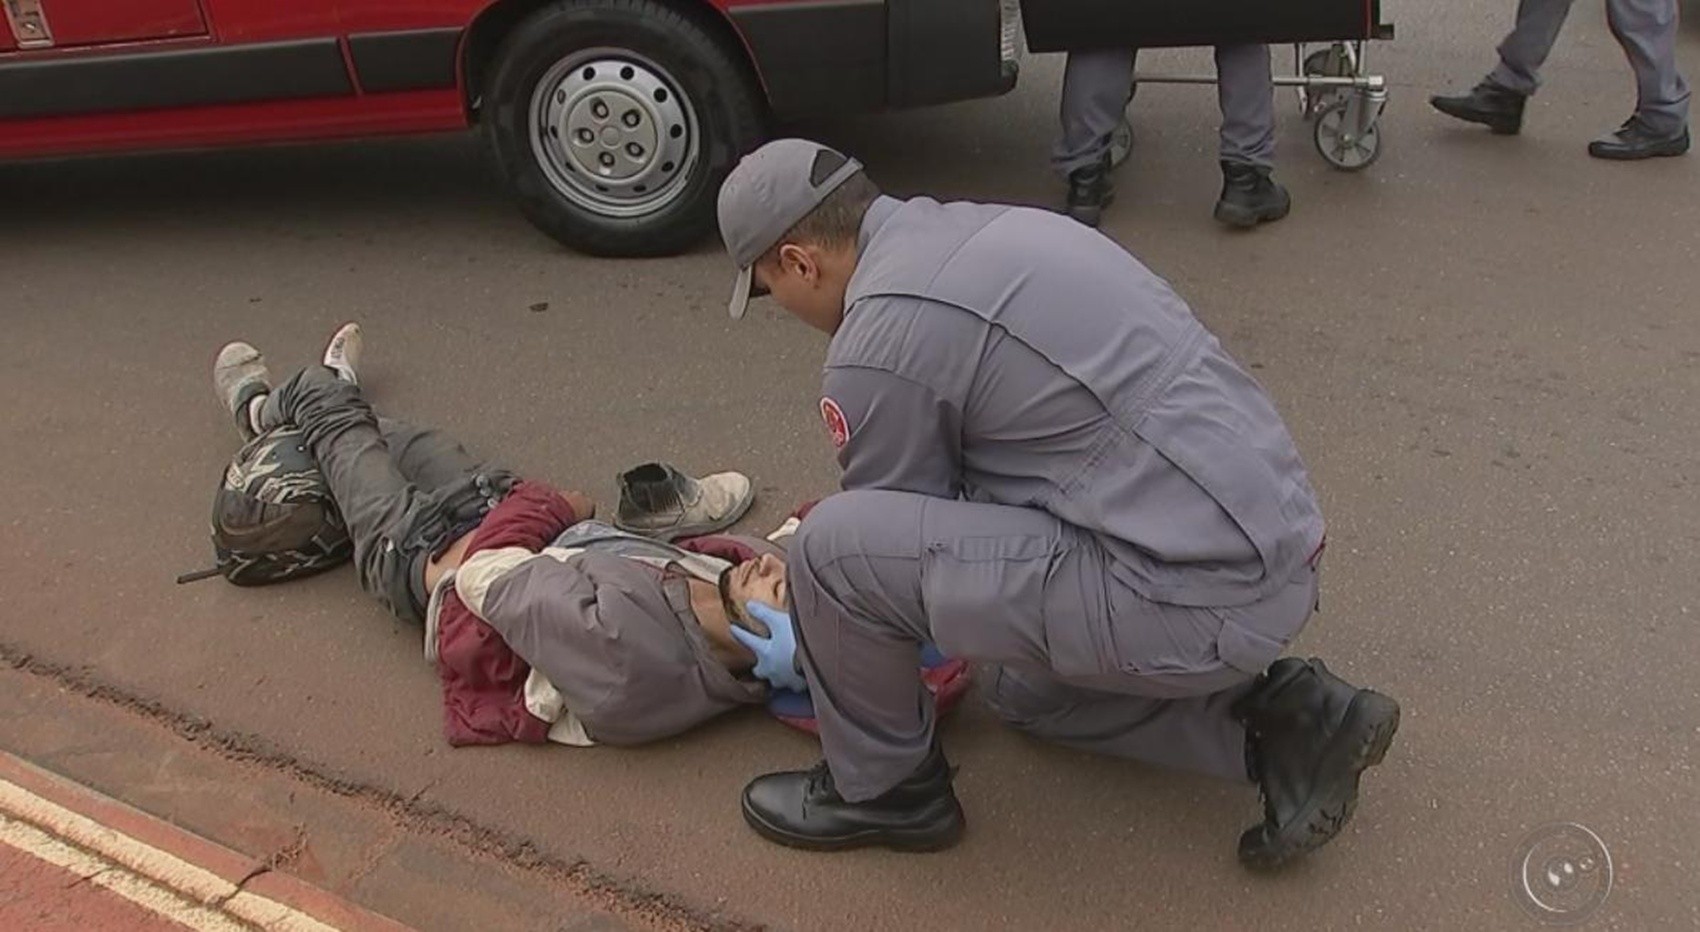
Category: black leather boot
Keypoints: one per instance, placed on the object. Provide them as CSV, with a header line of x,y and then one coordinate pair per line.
x,y
1633,140
802,809
1310,735
1090,190
1494,107
1250,196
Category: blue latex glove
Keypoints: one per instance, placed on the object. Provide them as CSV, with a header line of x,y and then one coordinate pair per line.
x,y
776,654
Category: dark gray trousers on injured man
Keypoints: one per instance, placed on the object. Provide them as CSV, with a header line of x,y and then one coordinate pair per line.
x,y
405,492
1080,658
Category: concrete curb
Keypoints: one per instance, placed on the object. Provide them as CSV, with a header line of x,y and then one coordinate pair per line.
x,y
202,880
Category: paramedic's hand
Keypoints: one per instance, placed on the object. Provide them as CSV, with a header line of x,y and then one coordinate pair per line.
x,y
776,655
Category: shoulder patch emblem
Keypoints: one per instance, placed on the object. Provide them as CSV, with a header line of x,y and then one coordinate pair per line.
x,y
836,424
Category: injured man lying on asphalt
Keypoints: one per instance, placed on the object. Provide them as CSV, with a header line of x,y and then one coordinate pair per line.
x,y
543,623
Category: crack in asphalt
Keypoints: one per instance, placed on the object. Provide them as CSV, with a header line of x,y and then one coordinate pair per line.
x,y
406,811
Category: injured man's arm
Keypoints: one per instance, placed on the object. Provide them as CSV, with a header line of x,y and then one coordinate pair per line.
x,y
454,554
717,605
624,639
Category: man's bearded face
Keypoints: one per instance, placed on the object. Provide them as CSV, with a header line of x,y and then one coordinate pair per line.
x,y
759,580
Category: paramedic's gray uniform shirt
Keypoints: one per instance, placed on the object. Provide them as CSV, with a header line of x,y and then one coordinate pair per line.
x,y
1159,554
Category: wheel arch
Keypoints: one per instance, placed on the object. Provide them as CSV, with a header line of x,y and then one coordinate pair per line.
x,y
484,35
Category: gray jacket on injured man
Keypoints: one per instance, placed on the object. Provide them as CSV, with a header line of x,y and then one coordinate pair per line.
x,y
603,619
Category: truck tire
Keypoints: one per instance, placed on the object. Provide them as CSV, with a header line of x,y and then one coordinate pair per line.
x,y
614,122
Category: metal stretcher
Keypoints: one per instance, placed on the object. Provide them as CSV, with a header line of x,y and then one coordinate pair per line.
x,y
1342,102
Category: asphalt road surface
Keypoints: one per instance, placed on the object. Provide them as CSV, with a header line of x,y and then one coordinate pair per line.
x,y
1487,348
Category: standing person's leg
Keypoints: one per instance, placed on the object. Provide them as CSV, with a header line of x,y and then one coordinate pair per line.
x,y
1646,29
1246,91
1525,49
1497,100
1096,88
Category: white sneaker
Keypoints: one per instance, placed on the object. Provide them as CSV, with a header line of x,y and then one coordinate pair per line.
x,y
342,353
659,501
240,376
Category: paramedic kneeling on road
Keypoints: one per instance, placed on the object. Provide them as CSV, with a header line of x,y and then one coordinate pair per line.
x,y
1049,465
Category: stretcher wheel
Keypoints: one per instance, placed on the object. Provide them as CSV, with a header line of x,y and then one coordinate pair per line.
x,y
1339,144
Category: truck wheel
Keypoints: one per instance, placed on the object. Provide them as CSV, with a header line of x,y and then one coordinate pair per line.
x,y
614,122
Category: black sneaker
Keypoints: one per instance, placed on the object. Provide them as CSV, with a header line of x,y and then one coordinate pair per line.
x,y
1250,196
1634,140
1497,108
802,809
1310,735
1090,191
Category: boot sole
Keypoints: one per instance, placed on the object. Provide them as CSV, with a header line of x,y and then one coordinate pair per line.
x,y
1366,733
1091,214
1500,126
1655,152
915,840
1244,219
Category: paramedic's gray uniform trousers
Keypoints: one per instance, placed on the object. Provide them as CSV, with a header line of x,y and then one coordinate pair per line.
x,y
1097,86
404,491
1645,28
1081,659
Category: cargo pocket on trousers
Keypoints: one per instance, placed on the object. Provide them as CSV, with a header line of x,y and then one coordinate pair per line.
x,y
985,597
1244,649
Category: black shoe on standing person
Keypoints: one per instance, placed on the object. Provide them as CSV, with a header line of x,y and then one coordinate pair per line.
x,y
1497,108
1636,140
1090,191
1250,196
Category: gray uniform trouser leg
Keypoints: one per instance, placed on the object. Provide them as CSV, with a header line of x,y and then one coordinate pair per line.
x,y
1646,29
403,490
1081,658
1097,86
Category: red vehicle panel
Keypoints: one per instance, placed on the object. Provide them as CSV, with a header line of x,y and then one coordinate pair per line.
x,y
612,120
94,22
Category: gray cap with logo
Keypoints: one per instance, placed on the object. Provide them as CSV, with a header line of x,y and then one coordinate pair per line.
x,y
769,191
